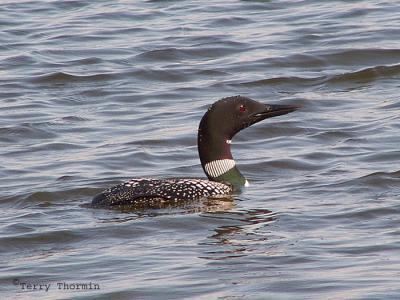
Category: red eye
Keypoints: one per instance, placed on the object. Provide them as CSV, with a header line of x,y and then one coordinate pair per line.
x,y
242,108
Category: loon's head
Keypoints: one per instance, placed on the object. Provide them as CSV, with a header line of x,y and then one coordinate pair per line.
x,y
221,122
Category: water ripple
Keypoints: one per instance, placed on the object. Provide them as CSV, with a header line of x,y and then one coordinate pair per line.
x,y
94,93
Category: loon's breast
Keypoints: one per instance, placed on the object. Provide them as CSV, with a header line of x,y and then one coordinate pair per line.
x,y
153,192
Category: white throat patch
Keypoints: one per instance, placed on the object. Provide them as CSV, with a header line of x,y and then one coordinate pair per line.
x,y
218,167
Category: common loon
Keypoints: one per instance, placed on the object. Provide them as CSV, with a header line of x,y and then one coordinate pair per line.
x,y
220,123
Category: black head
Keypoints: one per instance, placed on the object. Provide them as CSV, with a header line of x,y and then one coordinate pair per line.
x,y
228,116
220,123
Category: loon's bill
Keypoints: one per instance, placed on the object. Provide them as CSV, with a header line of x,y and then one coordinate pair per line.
x,y
220,123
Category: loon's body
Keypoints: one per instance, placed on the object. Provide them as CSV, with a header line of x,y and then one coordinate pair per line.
x,y
220,123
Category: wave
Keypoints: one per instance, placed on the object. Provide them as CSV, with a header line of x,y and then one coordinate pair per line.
x,y
360,76
63,77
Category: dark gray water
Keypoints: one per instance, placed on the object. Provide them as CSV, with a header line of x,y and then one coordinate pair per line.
x,y
96,92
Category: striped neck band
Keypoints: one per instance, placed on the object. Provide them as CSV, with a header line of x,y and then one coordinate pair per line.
x,y
218,167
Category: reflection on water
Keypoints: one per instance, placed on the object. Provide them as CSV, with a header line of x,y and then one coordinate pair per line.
x,y
241,240
213,204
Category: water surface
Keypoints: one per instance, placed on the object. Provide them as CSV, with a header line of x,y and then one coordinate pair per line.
x,y
96,92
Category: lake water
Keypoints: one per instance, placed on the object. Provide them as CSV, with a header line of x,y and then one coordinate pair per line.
x,y
96,92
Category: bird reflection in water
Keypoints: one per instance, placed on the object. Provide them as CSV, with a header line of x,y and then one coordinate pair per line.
x,y
205,205
245,237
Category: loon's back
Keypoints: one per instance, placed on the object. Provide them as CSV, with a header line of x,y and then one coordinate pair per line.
x,y
153,193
